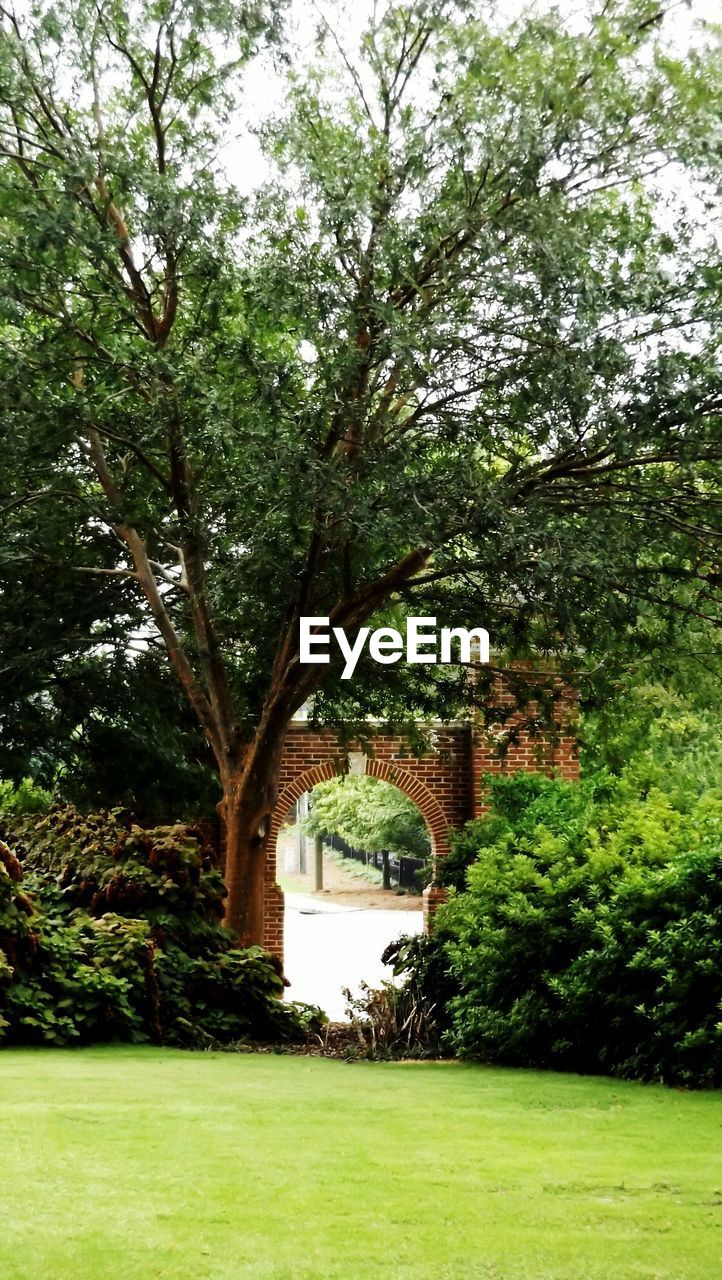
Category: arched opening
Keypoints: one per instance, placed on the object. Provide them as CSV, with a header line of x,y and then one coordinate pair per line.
x,y
335,931
386,771
355,837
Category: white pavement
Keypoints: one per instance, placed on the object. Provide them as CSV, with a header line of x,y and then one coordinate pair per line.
x,y
329,946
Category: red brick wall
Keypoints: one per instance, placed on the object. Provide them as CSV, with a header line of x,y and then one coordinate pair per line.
x,y
506,748
444,772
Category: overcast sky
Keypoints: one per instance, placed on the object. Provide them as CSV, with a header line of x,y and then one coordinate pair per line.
x,y
265,87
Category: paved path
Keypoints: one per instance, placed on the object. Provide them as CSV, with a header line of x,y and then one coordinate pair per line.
x,y
330,946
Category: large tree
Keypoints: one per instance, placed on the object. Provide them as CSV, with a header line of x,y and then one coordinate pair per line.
x,y
455,354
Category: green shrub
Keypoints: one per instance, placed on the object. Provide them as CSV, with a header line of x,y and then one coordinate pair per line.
x,y
518,804
223,997
25,798
649,736
592,940
116,934
102,863
17,938
89,980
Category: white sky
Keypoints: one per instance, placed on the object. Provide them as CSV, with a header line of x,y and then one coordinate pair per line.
x,y
264,86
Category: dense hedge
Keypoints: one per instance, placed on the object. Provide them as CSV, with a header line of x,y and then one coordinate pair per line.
x,y
110,931
593,942
584,927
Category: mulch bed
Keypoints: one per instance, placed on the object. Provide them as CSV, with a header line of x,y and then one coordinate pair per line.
x,y
335,1040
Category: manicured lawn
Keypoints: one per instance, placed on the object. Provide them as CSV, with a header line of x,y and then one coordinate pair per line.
x,y
131,1164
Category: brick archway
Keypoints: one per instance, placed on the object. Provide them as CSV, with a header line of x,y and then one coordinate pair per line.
x,y
445,782
385,771
415,788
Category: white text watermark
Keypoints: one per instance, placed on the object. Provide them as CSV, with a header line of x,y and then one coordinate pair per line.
x,y
386,645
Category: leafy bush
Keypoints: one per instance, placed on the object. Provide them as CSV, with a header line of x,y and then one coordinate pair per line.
x,y
27,797
584,927
89,980
17,941
651,736
519,803
111,931
102,863
592,940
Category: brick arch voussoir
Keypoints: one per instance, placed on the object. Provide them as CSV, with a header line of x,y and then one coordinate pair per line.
x,y
304,781
386,771
422,796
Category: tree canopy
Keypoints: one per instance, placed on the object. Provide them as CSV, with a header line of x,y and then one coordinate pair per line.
x,y
457,352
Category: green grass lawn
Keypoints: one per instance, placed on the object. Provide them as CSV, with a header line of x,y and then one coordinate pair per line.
x,y
129,1164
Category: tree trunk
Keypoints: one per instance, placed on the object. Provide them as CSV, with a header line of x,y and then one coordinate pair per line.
x,y
244,875
386,865
249,795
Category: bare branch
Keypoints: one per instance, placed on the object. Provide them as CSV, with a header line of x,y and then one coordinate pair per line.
x,y
111,573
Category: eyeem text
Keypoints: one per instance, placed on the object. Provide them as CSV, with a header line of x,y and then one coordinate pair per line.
x,y
386,645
